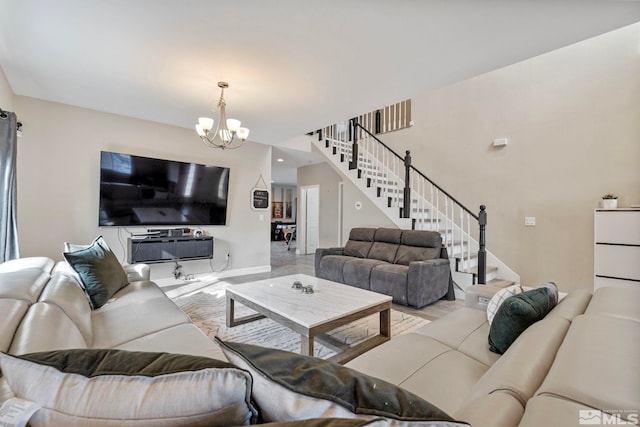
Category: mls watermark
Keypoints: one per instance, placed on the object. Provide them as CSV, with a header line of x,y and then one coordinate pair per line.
x,y
600,418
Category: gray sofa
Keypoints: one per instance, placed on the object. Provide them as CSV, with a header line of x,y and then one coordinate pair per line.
x,y
411,266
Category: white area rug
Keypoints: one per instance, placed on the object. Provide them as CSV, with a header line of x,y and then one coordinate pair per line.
x,y
207,310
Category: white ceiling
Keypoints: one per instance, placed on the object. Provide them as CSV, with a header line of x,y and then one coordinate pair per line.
x,y
293,66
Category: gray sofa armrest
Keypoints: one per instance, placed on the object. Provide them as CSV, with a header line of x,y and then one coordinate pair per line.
x,y
137,272
320,252
428,281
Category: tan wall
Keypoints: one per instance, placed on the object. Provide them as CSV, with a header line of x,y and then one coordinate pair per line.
x,y
572,118
323,175
58,182
328,179
6,94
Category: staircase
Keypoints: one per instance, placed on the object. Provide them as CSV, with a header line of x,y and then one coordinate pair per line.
x,y
413,201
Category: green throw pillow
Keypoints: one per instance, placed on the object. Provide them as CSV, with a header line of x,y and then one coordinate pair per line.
x,y
112,388
516,314
290,387
100,272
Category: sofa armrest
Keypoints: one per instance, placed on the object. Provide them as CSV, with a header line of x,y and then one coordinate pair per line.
x,y
137,272
320,252
428,281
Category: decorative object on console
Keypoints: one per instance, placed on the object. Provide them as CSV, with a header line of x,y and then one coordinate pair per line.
x,y
228,133
104,387
100,273
290,387
609,201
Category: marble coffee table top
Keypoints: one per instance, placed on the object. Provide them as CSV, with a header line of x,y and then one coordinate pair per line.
x,y
329,301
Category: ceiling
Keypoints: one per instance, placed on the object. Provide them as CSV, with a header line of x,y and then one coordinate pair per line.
x,y
292,66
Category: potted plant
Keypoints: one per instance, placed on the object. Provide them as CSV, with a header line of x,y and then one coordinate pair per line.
x,y
609,201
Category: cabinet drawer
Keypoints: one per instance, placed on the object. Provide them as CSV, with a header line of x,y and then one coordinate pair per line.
x,y
617,261
602,282
617,227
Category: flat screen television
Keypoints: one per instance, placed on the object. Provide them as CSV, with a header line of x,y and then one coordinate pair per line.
x,y
138,191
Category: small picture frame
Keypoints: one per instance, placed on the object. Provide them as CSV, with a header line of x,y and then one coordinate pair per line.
x,y
260,199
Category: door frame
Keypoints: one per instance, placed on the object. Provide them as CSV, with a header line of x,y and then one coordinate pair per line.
x,y
301,235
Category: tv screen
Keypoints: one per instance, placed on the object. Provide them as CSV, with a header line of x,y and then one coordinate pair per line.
x,y
138,190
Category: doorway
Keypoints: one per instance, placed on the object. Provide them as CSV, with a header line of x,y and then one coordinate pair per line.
x,y
309,220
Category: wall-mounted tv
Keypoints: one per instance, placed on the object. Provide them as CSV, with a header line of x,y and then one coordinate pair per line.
x,y
138,191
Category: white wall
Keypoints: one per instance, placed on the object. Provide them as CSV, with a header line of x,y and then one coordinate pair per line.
x,y
572,118
6,94
58,182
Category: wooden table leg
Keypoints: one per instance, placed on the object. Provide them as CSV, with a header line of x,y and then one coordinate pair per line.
x,y
230,311
306,345
385,323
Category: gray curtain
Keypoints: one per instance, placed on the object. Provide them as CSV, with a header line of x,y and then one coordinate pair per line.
x,y
8,220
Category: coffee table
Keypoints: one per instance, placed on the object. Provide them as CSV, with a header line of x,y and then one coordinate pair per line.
x,y
330,306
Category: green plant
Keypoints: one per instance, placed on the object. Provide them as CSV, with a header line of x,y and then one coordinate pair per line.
x,y
609,196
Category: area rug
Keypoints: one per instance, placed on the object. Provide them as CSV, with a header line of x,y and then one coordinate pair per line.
x,y
207,310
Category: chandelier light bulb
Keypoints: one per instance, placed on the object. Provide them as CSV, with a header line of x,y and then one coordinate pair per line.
x,y
228,134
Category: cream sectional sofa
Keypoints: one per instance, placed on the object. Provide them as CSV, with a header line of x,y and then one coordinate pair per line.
x,y
44,309
583,356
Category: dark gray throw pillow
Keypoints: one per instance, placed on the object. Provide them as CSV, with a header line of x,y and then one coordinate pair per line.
x,y
100,272
516,314
291,387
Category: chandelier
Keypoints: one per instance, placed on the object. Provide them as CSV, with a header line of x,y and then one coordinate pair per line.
x,y
228,133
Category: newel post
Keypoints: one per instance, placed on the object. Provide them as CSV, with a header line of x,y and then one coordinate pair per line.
x,y
482,253
353,163
406,205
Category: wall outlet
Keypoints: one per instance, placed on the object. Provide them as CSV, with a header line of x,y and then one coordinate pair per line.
x,y
530,221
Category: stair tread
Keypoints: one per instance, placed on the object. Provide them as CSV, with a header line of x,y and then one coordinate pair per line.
x,y
501,283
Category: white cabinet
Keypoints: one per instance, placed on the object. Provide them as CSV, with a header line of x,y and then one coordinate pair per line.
x,y
617,248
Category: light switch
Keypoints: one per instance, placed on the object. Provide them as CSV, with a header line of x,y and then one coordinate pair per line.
x,y
530,221
261,217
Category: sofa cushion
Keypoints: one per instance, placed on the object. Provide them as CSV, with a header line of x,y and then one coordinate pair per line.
x,y
390,279
13,311
418,245
498,298
617,302
521,370
357,272
100,272
19,264
597,364
105,387
331,422
332,266
292,387
359,243
46,327
516,314
65,292
25,284
135,311
386,244
465,330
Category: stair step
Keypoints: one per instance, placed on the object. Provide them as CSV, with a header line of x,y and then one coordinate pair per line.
x,y
501,283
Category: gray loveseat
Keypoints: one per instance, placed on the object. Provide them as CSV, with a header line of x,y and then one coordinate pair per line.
x,y
411,266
